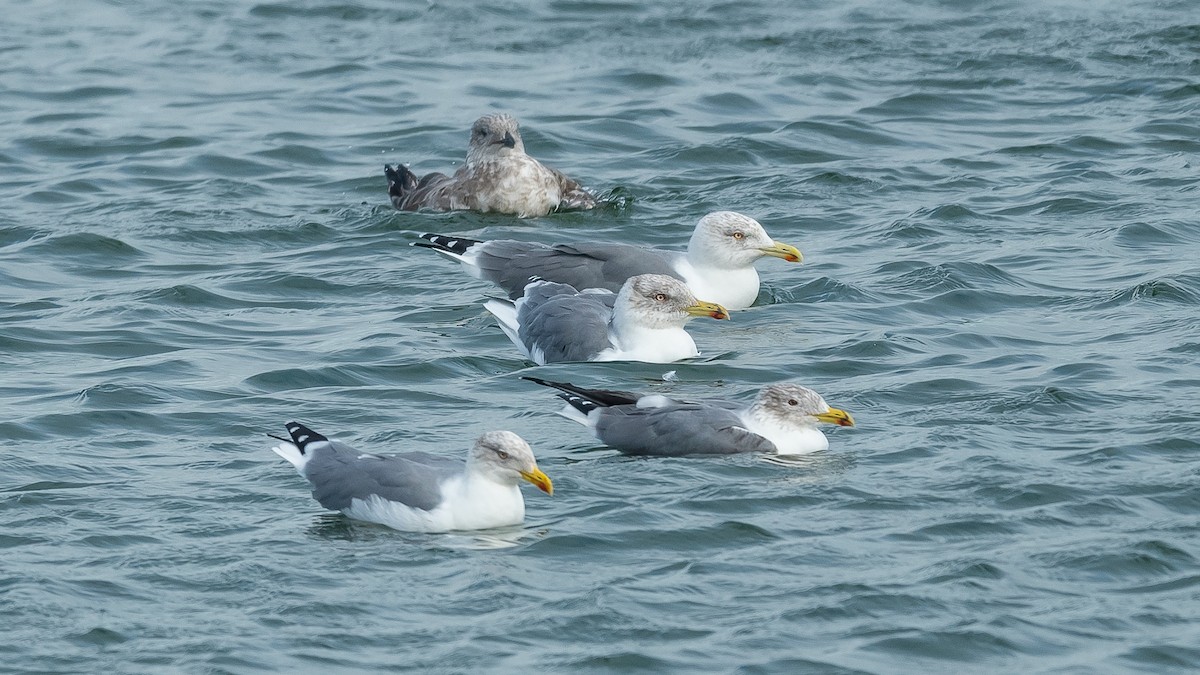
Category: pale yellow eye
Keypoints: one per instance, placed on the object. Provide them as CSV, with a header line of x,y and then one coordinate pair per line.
x,y
739,235
661,297
502,454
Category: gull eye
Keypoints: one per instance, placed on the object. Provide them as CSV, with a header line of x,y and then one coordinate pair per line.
x,y
502,454
481,132
792,401
739,235
661,297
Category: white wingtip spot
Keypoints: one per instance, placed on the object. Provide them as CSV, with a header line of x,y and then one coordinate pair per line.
x,y
654,401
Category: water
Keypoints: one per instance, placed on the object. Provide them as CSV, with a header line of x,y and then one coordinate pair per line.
x,y
997,205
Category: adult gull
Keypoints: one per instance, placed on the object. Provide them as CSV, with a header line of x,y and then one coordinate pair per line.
x,y
417,491
781,420
497,177
645,321
718,263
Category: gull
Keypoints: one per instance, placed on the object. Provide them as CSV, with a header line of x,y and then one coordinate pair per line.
x,y
718,263
417,491
781,420
497,177
554,322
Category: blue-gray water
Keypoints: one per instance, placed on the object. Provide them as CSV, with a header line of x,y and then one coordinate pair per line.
x,y
998,207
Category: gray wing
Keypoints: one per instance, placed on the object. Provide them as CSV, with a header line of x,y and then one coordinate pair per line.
x,y
562,324
340,474
680,429
510,264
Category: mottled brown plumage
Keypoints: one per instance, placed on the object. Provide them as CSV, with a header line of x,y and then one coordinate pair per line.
x,y
497,177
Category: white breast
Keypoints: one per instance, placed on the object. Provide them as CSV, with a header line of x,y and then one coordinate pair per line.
x,y
735,289
650,345
790,440
474,503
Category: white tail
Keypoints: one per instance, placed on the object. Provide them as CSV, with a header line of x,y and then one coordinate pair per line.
x,y
292,454
506,316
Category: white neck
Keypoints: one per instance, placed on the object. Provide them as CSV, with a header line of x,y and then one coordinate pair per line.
x,y
735,288
635,342
791,440
483,502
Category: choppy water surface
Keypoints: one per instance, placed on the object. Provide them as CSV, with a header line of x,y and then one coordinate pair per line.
x,y
997,203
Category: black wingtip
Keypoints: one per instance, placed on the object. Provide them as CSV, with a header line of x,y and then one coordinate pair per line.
x,y
302,436
445,242
597,397
579,403
426,240
544,383
567,392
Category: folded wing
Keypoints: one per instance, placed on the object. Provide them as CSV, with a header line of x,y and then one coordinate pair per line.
x,y
676,430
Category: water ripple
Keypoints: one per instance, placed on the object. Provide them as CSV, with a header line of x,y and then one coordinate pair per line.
x,y
997,212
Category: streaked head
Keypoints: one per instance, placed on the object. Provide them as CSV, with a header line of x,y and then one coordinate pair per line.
x,y
660,301
800,407
495,135
506,458
732,240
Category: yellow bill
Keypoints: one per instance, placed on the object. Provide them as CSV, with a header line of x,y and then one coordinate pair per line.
x,y
835,416
710,309
788,253
541,480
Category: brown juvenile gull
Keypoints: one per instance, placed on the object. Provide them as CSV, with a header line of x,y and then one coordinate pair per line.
x,y
553,323
497,177
417,491
782,420
718,264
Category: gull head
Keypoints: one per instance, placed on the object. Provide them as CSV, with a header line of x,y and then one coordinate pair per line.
x,y
796,407
659,301
726,239
507,459
494,136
